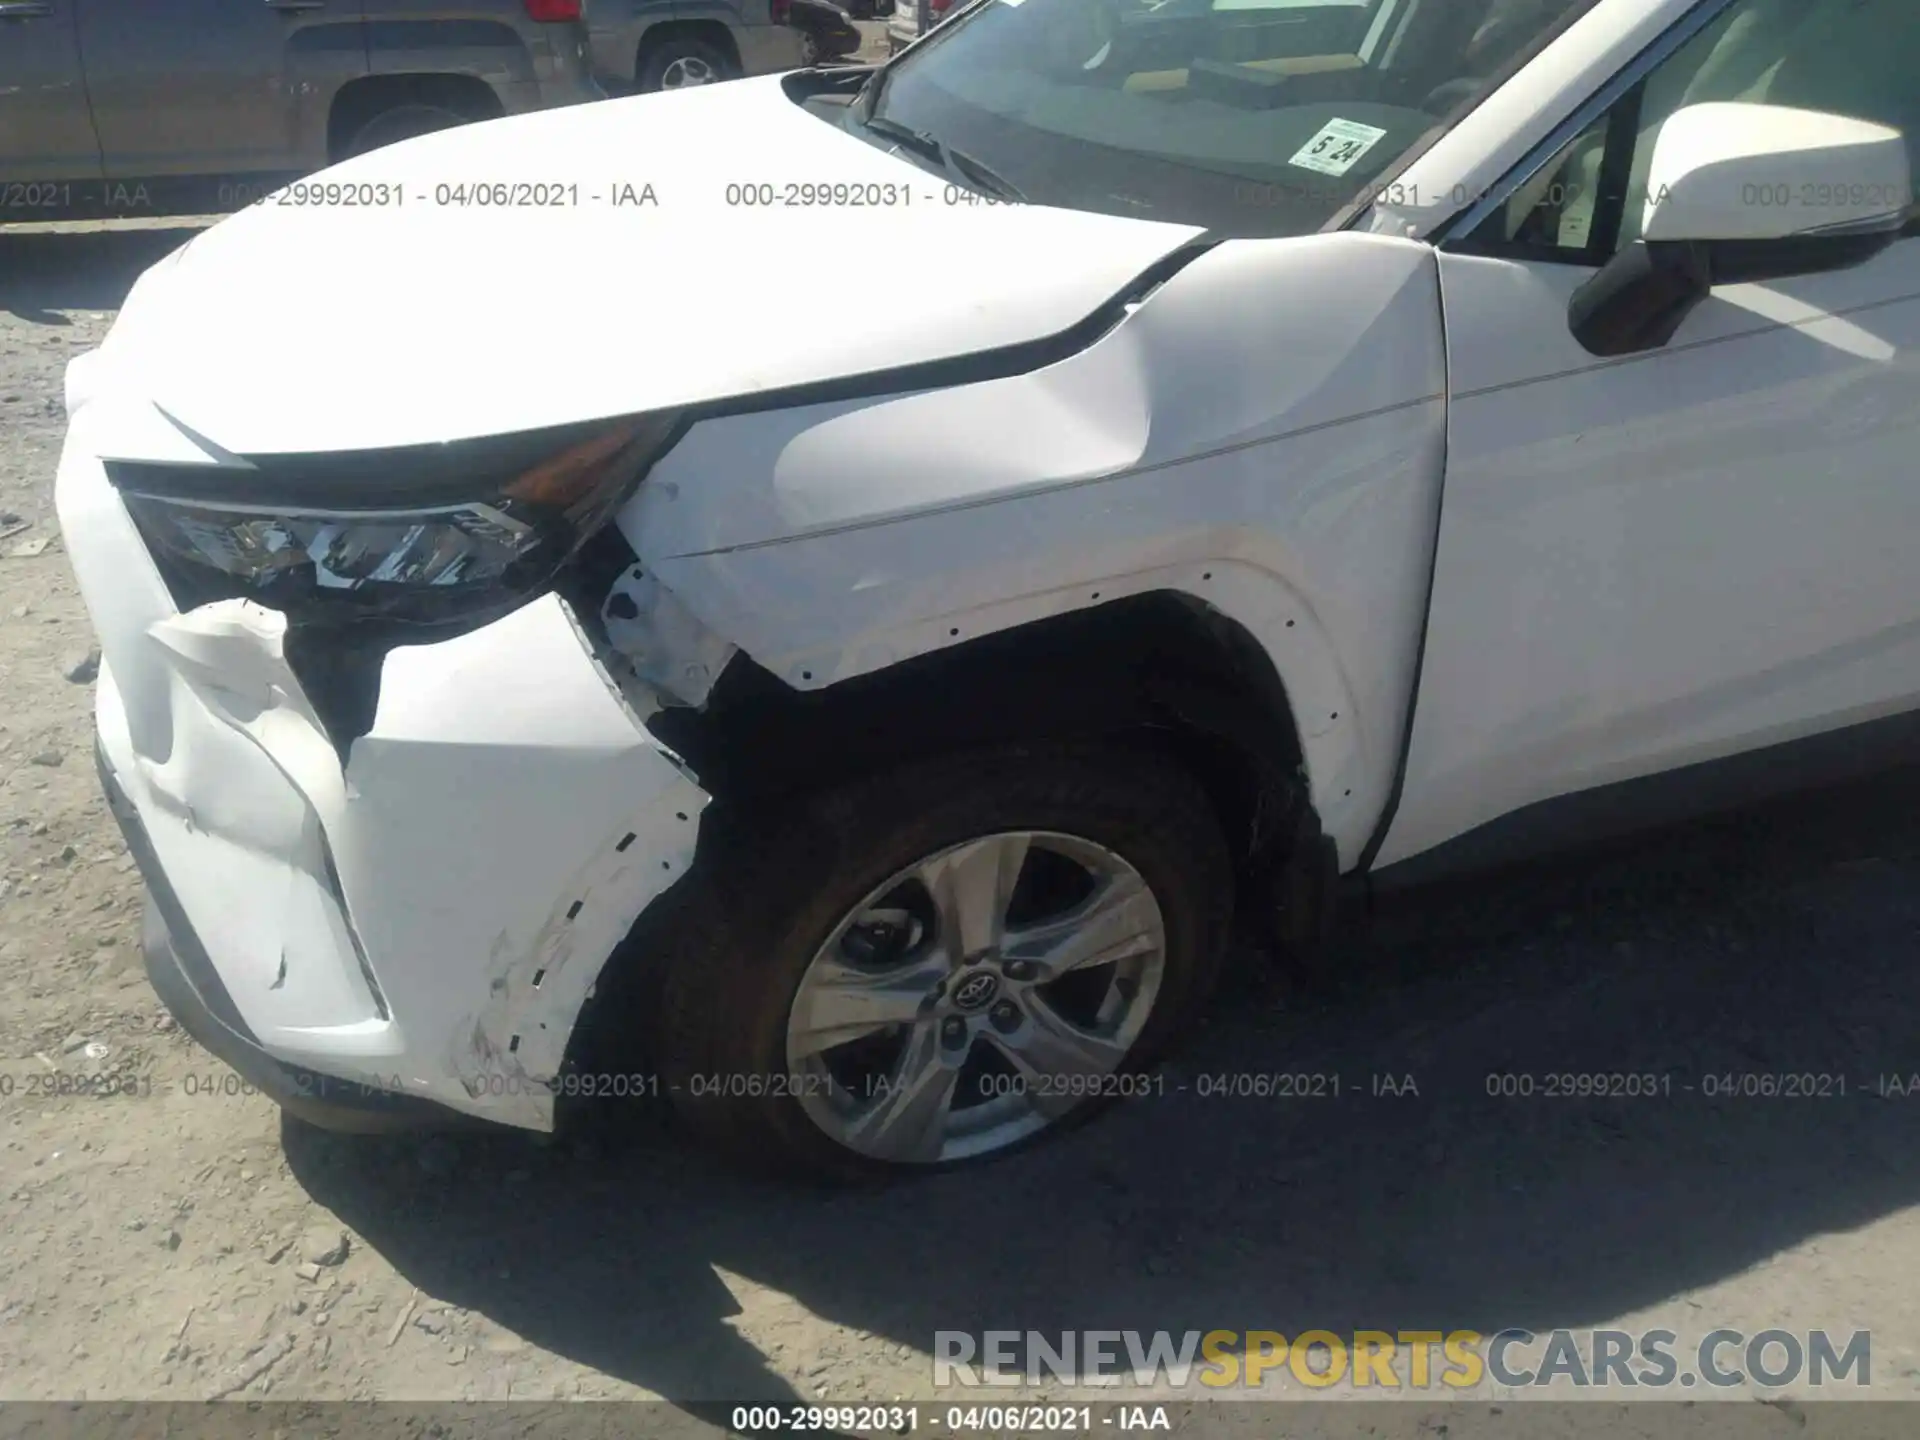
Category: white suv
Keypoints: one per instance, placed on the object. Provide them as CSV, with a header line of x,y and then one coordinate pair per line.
x,y
1357,440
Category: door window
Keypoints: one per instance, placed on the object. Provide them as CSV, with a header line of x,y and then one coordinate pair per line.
x,y
1847,57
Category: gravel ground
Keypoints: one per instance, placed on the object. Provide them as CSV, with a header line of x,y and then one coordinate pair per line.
x,y
180,1242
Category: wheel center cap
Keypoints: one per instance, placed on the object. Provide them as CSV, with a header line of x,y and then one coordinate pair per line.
x,y
976,992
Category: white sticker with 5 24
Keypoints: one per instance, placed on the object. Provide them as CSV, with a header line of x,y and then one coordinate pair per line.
x,y
1337,148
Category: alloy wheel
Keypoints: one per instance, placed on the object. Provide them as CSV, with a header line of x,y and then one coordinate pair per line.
x,y
976,997
687,71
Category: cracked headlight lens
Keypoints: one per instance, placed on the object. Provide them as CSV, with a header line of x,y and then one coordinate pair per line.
x,y
434,563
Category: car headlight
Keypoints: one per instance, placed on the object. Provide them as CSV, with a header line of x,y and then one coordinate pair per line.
x,y
470,529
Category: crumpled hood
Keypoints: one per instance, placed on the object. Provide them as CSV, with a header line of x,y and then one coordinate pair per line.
x,y
337,325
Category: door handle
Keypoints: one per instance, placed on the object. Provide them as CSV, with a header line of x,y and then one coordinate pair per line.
x,y
24,9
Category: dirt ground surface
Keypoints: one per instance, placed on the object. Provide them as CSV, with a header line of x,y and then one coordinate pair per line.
x,y
177,1241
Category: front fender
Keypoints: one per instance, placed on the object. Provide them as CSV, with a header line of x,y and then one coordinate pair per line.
x,y
1265,433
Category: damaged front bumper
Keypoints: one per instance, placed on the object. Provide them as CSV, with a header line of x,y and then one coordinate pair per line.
x,y
189,985
412,931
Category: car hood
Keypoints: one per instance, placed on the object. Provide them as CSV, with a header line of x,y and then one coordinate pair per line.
x,y
596,260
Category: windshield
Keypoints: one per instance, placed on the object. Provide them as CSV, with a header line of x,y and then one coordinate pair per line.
x,y
1247,117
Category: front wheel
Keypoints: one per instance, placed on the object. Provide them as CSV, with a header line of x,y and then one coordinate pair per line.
x,y
943,963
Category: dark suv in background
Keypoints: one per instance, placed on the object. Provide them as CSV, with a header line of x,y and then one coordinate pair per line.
x,y
641,45
131,107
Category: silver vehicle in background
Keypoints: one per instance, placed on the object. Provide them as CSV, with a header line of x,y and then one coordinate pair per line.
x,y
910,19
644,45
124,107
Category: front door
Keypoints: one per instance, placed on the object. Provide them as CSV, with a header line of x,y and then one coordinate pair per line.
x,y
1672,556
45,130
217,87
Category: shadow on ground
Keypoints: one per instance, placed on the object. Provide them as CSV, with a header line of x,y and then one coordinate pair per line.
x,y
1782,940
45,271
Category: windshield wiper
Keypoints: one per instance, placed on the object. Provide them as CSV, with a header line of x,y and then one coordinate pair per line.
x,y
918,141
975,173
983,177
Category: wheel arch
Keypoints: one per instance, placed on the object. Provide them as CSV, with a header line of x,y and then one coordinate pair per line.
x,y
708,32
1159,661
1249,633
362,100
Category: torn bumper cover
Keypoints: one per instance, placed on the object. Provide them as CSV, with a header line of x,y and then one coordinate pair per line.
x,y
411,932
190,987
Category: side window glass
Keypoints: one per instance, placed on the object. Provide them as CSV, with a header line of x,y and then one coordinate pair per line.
x,y
1551,216
1846,57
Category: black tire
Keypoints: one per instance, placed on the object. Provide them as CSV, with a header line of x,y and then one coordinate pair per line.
x,y
770,888
683,56
402,122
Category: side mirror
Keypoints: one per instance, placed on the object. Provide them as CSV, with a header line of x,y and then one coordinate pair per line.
x,y
1739,193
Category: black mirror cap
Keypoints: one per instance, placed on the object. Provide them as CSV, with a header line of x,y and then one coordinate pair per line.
x,y
1640,298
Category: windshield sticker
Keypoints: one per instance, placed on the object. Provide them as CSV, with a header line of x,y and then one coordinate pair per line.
x,y
1337,147
1576,222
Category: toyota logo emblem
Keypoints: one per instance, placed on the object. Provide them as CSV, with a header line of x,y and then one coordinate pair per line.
x,y
975,991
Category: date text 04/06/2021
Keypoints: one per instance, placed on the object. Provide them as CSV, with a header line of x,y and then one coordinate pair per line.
x,y
910,1418
195,1085
461,194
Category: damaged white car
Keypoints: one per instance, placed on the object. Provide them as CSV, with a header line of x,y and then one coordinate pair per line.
x,y
547,664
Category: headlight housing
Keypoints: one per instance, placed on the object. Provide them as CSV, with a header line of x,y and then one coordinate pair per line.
x,y
460,533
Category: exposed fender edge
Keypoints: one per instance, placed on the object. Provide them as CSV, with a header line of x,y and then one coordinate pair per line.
x,y
662,642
